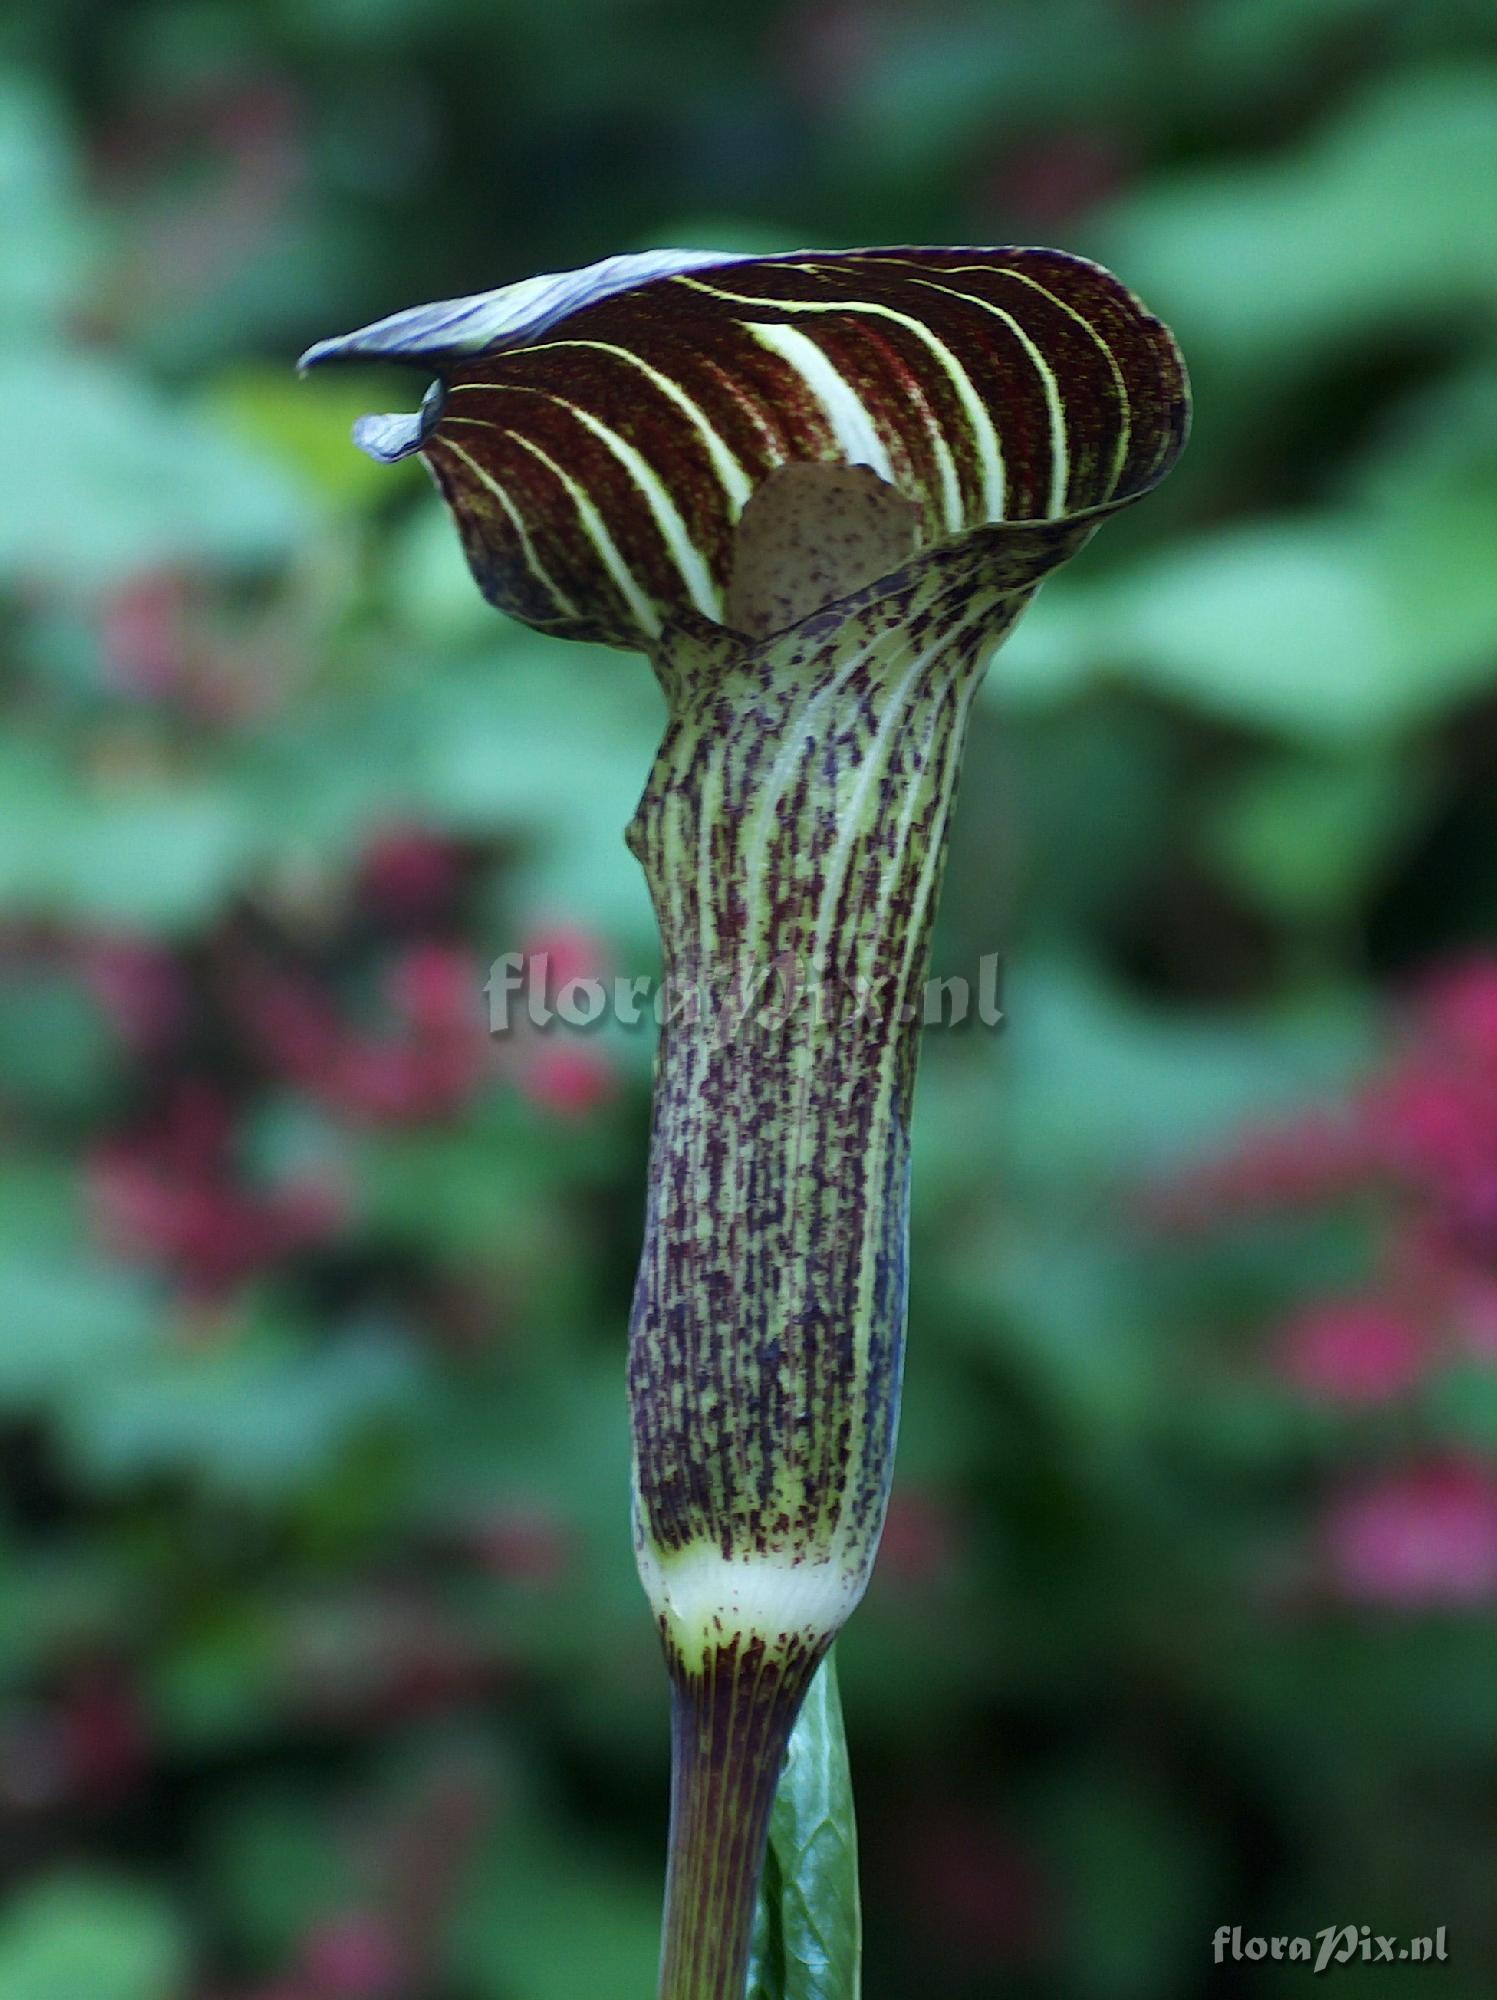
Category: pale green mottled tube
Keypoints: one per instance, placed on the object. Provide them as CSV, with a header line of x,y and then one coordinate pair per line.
x,y
793,833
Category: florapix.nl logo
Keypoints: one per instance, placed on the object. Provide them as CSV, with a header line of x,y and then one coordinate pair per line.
x,y
523,989
1332,1946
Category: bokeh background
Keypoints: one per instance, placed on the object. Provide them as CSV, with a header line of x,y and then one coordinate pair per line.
x,y
323,1671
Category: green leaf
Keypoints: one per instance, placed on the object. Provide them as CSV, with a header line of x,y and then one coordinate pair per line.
x,y
301,425
1307,837
272,1866
484,754
118,479
46,237
808,1932
430,588
255,1415
934,84
66,1326
160,859
1338,627
1329,629
148,855
1137,1876
1281,625
57,1055
80,1936
552,1919
1462,1405
468,1193
1094,1085
1373,226
1249,55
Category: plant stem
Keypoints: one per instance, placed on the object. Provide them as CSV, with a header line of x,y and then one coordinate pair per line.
x,y
730,1729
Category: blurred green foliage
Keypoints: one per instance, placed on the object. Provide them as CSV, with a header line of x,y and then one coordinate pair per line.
x,y
323,1673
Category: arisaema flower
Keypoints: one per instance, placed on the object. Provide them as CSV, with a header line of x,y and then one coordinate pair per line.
x,y
817,489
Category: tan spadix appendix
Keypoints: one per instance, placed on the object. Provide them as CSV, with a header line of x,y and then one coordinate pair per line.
x,y
817,490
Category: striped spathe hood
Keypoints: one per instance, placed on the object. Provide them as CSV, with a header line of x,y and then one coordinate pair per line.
x,y
599,433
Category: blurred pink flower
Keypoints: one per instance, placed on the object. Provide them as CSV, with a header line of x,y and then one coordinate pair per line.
x,y
569,951
1416,1147
427,1068
139,985
1435,1132
570,1081
409,874
1416,1539
370,1657
170,1193
354,1956
233,146
1424,1127
1473,1312
1420,1137
437,989
1459,1009
291,1022
146,634
1431,1119
524,1545
163,638
392,1082
104,1735
1317,1159
1351,1351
